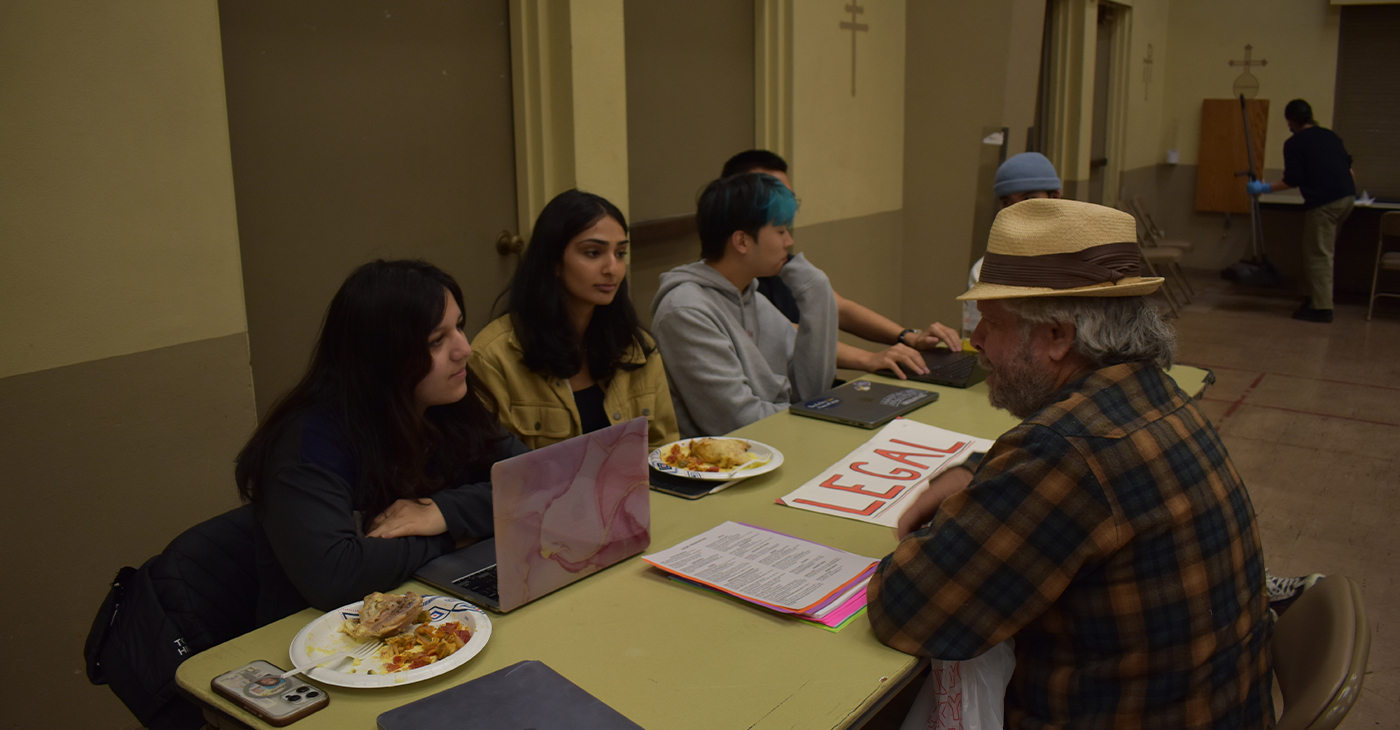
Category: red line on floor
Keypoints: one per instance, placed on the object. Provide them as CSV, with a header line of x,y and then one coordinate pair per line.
x,y
1299,377
1238,403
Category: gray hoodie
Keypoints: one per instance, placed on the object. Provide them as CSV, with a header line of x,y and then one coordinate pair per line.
x,y
731,357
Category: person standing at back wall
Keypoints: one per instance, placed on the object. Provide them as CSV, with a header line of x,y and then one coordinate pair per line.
x,y
1316,162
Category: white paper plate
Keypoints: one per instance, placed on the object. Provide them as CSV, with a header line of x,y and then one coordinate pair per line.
x,y
322,638
775,460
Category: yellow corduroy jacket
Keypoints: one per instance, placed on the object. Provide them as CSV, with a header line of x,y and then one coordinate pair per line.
x,y
540,409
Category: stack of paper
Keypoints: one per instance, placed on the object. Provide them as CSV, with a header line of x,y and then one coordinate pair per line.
x,y
813,582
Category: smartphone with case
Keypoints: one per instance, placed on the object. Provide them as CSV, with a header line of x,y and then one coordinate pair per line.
x,y
259,688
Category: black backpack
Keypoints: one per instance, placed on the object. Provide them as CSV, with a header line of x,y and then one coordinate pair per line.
x,y
200,592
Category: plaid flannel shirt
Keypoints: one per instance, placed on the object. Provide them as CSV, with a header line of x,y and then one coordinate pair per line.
x,y
1111,536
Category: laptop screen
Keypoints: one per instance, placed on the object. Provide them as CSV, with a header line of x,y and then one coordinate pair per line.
x,y
569,510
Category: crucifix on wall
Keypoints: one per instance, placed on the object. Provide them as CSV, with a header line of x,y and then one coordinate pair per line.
x,y
854,27
1246,85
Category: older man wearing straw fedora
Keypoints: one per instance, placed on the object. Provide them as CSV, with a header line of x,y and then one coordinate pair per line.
x,y
1108,533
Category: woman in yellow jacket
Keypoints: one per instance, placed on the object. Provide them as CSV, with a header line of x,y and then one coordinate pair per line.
x,y
569,356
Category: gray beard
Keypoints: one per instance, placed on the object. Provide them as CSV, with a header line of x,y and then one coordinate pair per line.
x,y
1019,388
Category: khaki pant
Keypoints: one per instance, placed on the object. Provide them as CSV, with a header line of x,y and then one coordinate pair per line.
x,y
1319,244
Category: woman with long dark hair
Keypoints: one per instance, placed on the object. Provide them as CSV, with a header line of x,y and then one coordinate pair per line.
x,y
569,356
379,459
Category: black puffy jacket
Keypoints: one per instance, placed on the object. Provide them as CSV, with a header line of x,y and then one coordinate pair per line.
x,y
200,592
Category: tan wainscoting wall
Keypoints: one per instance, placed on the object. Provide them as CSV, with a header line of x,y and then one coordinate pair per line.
x,y
104,462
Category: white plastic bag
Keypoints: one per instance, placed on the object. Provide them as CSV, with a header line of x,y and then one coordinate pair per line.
x,y
965,695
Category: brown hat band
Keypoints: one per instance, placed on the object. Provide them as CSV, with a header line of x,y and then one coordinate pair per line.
x,y
1093,265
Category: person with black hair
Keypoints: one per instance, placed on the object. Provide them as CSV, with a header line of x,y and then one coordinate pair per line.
x,y
733,358
852,316
379,459
1316,162
569,356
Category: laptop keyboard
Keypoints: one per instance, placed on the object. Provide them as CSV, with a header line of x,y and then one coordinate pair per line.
x,y
482,583
956,370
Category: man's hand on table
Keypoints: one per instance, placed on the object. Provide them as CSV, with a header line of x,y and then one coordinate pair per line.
x,y
899,359
936,334
921,512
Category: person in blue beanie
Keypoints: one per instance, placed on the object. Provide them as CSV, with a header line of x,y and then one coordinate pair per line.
x,y
1022,177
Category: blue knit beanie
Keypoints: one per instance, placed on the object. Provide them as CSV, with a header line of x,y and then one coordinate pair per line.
x,y
1026,173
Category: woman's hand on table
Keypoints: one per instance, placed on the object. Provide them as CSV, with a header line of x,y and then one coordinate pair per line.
x,y
921,512
409,517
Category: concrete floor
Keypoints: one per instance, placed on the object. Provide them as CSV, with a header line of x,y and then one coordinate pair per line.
x,y
1311,416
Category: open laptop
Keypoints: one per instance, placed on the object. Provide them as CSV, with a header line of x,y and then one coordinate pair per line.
x,y
865,403
562,513
947,367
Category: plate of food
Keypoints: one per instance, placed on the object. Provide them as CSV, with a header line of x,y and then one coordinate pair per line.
x,y
719,459
423,636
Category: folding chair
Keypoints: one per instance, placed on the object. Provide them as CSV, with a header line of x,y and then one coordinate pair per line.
x,y
1154,237
1388,260
1320,648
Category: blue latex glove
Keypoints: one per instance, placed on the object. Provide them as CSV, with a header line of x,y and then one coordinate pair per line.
x,y
1256,187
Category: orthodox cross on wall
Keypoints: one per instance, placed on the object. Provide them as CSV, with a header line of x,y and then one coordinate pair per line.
x,y
854,27
1147,72
1246,84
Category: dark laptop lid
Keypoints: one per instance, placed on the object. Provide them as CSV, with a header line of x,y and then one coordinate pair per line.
x,y
865,403
524,695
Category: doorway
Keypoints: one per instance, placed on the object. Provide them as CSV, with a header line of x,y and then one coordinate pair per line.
x,y
359,132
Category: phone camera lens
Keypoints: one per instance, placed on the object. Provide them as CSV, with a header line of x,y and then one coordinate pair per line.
x,y
309,695
292,698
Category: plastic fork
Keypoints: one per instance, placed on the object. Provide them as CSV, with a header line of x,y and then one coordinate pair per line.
x,y
363,651
752,464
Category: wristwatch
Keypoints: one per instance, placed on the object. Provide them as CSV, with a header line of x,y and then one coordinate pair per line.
x,y
900,338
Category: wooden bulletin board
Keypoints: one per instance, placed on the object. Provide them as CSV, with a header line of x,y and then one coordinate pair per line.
x,y
1219,186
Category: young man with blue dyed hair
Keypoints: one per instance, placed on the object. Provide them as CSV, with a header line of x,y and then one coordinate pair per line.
x,y
731,356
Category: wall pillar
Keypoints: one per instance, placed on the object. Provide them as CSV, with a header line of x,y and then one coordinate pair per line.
x,y
568,69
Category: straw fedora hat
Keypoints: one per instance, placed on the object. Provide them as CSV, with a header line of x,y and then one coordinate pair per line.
x,y
1061,248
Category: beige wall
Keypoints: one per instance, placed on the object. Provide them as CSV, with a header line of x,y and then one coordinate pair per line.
x,y
117,213
1193,42
346,149
963,61
690,100
847,148
1297,37
124,383
690,106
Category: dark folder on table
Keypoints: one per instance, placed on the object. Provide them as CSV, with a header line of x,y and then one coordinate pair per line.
x,y
524,695
865,403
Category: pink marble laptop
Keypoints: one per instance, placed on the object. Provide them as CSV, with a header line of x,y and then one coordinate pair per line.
x,y
569,510
562,513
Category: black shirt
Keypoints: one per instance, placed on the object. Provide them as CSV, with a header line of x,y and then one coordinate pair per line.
x,y
591,413
1316,162
781,296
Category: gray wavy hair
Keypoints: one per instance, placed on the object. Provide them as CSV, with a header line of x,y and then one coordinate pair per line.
x,y
1107,330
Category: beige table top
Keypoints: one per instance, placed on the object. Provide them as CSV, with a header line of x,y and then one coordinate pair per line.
x,y
665,655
